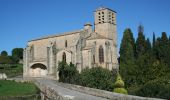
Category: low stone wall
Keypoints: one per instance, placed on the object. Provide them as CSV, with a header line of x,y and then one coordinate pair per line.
x,y
104,94
48,93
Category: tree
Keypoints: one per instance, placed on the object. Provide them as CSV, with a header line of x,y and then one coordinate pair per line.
x,y
157,88
140,42
5,60
127,47
164,38
127,58
17,54
153,42
162,49
148,45
4,53
67,73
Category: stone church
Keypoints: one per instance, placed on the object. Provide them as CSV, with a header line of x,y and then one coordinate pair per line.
x,y
88,47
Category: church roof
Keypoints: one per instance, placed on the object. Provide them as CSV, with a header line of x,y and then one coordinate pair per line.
x,y
96,36
57,35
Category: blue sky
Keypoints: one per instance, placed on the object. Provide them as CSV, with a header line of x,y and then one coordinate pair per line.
x,y
23,20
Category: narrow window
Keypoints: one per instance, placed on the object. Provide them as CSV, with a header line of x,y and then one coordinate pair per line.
x,y
66,43
93,58
101,54
64,56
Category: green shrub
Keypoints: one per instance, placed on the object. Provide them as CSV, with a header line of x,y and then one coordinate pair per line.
x,y
97,77
120,90
67,73
119,85
5,60
158,88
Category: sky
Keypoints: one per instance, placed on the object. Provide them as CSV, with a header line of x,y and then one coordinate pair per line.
x,y
24,20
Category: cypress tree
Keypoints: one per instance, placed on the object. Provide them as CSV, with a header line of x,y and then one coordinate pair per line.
x,y
140,42
127,57
153,42
164,38
127,48
148,45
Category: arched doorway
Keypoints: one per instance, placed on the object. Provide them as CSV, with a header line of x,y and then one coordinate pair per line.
x,y
38,70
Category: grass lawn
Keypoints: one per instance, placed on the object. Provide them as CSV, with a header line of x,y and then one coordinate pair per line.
x,y
12,88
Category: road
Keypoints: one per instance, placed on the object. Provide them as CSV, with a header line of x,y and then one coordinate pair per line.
x,y
67,93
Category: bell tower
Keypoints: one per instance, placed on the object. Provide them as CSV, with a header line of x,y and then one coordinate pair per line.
x,y
105,23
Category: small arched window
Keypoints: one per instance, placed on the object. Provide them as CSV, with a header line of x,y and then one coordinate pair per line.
x,y
64,56
66,43
101,54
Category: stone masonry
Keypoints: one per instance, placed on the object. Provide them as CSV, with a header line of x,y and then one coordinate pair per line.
x,y
87,47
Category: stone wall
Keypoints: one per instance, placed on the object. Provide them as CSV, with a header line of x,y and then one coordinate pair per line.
x,y
49,93
104,94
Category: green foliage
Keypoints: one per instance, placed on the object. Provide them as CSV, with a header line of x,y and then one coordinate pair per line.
x,y
4,53
154,40
127,47
97,77
140,42
11,70
6,60
12,88
120,90
158,88
67,73
119,85
17,54
119,82
145,66
127,58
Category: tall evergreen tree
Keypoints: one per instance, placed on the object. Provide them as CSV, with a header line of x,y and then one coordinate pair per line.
x,y
164,38
153,42
140,42
143,58
127,48
127,57
148,45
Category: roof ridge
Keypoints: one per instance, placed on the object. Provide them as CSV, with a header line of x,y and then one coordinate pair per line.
x,y
57,34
